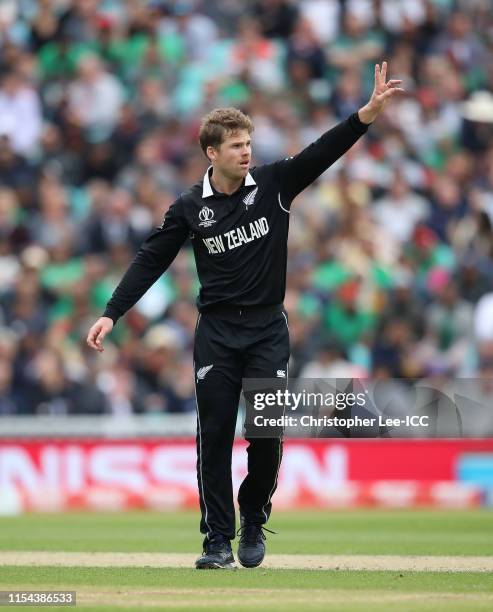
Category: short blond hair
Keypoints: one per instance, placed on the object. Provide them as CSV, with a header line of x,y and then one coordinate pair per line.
x,y
220,123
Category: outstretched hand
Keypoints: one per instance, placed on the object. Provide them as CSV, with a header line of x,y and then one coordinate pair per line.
x,y
382,92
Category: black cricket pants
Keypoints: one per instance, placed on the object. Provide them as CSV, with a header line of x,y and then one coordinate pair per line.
x,y
230,344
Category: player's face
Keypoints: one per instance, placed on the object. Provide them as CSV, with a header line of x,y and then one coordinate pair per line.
x,y
233,156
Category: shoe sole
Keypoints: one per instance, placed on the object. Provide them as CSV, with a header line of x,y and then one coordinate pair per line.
x,y
227,566
250,565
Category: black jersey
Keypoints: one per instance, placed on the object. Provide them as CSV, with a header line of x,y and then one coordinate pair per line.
x,y
239,240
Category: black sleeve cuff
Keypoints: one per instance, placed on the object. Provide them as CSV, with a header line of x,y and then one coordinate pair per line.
x,y
111,314
357,125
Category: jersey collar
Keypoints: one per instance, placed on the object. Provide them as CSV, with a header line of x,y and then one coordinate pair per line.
x,y
207,191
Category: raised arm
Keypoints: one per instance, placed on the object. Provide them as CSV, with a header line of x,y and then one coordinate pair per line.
x,y
297,172
153,258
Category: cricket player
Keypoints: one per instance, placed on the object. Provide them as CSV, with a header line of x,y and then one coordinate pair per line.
x,y
237,219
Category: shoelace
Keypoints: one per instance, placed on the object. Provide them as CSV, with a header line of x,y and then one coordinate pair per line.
x,y
250,533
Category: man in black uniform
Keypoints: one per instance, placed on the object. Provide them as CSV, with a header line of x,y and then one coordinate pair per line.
x,y
237,221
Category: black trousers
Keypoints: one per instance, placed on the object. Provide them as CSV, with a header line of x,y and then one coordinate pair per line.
x,y
232,344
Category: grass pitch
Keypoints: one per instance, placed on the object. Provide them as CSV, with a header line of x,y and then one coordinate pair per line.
x,y
354,532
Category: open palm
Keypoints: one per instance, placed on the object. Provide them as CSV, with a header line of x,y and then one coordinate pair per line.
x,y
382,92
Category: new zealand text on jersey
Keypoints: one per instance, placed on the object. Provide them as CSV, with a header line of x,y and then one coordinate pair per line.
x,y
237,236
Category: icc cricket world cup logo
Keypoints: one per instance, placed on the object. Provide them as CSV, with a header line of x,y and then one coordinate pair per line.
x,y
206,216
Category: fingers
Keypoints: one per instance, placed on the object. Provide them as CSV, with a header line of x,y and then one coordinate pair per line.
x,y
381,85
95,338
380,77
99,342
383,73
91,341
392,91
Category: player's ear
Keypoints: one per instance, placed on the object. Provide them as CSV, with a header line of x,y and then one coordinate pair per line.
x,y
211,153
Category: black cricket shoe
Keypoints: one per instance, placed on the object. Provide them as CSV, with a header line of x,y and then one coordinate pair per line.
x,y
217,553
251,550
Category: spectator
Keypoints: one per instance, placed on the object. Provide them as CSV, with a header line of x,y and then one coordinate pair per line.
x,y
305,55
113,225
347,96
278,18
123,396
344,318
50,391
356,47
330,363
20,114
401,210
10,400
483,321
448,323
95,97
460,44
447,207
44,26
257,57
197,29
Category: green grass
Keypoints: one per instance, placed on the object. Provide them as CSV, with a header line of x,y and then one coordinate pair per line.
x,y
474,582
349,532
322,532
258,589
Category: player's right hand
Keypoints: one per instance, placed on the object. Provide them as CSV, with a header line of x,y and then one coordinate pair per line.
x,y
98,332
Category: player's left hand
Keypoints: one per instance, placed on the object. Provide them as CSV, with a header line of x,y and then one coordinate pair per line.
x,y
382,92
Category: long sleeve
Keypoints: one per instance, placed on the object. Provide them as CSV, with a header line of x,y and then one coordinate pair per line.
x,y
296,173
153,258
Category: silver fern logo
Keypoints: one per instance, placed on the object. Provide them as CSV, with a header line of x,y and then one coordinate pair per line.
x,y
201,372
249,199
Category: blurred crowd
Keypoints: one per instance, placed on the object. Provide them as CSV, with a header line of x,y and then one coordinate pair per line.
x,y
391,250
